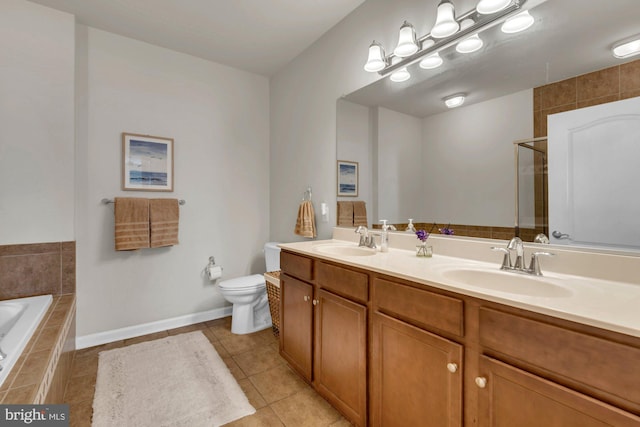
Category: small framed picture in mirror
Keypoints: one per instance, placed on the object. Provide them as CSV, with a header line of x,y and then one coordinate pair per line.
x,y
347,178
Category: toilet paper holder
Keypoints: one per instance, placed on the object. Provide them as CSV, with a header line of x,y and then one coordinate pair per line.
x,y
213,271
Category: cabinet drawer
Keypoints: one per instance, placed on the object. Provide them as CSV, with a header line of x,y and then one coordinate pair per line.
x,y
342,281
296,266
595,362
419,307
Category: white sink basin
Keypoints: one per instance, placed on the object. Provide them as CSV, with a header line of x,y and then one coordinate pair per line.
x,y
344,250
503,281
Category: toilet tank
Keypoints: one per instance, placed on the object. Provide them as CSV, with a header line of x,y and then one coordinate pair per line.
x,y
272,256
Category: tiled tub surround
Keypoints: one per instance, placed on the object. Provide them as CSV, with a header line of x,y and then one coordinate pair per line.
x,y
604,287
37,269
41,373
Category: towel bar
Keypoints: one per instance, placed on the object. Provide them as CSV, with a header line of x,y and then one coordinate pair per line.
x,y
108,201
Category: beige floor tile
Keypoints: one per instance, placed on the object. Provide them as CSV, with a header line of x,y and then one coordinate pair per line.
x,y
20,395
80,413
225,321
237,373
342,422
255,398
277,383
264,417
210,335
258,360
237,344
80,388
305,409
222,352
87,365
145,338
221,331
188,328
97,349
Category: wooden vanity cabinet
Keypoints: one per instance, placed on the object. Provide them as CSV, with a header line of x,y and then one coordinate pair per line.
x,y
416,375
323,331
390,352
296,313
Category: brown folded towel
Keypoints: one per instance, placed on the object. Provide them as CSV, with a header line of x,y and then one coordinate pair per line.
x,y
163,217
306,222
131,223
345,214
359,213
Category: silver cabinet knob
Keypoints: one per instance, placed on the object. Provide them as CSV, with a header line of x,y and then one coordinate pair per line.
x,y
306,298
315,302
481,382
452,367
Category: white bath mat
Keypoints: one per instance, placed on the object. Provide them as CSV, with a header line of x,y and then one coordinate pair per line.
x,y
175,381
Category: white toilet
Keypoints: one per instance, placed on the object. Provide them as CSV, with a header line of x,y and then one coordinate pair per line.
x,y
248,294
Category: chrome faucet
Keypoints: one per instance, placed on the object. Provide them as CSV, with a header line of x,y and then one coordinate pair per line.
x,y
3,355
366,239
516,244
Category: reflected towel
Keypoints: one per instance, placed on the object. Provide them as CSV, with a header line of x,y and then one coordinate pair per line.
x,y
359,214
131,223
164,215
345,214
306,222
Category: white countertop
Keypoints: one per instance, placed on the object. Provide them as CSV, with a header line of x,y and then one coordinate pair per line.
x,y
610,305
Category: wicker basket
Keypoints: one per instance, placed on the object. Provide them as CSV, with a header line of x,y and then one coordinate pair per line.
x,y
272,280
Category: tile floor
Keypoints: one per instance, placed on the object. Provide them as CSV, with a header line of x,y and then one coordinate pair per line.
x,y
280,397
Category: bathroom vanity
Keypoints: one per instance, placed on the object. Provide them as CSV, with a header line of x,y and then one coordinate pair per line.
x,y
392,340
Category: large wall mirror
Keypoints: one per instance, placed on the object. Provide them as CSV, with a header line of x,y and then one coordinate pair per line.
x,y
420,160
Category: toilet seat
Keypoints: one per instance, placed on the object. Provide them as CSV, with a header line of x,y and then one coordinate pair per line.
x,y
254,281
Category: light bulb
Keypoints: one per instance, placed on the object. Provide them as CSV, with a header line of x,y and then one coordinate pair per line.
x,y
470,44
401,74
627,49
446,24
376,61
517,23
432,61
407,43
487,7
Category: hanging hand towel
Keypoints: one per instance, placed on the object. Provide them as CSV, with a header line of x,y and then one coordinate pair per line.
x,y
345,214
131,223
306,222
359,213
164,215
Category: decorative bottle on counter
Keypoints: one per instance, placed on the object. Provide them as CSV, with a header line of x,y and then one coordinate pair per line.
x,y
424,250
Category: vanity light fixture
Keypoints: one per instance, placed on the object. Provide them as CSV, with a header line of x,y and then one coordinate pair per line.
x,y
376,60
400,75
407,42
432,61
454,101
447,32
446,24
487,7
628,48
470,44
517,23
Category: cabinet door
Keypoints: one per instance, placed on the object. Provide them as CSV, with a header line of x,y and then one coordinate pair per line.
x,y
416,376
512,397
296,323
340,363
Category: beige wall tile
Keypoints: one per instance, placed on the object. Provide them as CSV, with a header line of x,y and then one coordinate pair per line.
x,y
558,94
598,84
630,76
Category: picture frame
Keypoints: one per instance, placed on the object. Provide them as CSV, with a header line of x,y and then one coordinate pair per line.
x,y
147,163
347,178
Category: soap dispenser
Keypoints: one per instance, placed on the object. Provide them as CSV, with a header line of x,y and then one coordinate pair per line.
x,y
384,236
410,227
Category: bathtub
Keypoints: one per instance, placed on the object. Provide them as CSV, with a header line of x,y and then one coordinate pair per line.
x,y
19,319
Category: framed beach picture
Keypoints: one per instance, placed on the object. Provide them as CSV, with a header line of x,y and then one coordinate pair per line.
x,y
347,178
147,163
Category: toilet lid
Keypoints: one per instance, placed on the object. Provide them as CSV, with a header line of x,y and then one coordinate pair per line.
x,y
253,281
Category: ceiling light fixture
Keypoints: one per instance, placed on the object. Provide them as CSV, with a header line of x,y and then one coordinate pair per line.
x,y
470,44
454,101
628,48
407,43
426,49
517,23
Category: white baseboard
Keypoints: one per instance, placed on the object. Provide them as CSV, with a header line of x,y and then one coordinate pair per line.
x,y
149,328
